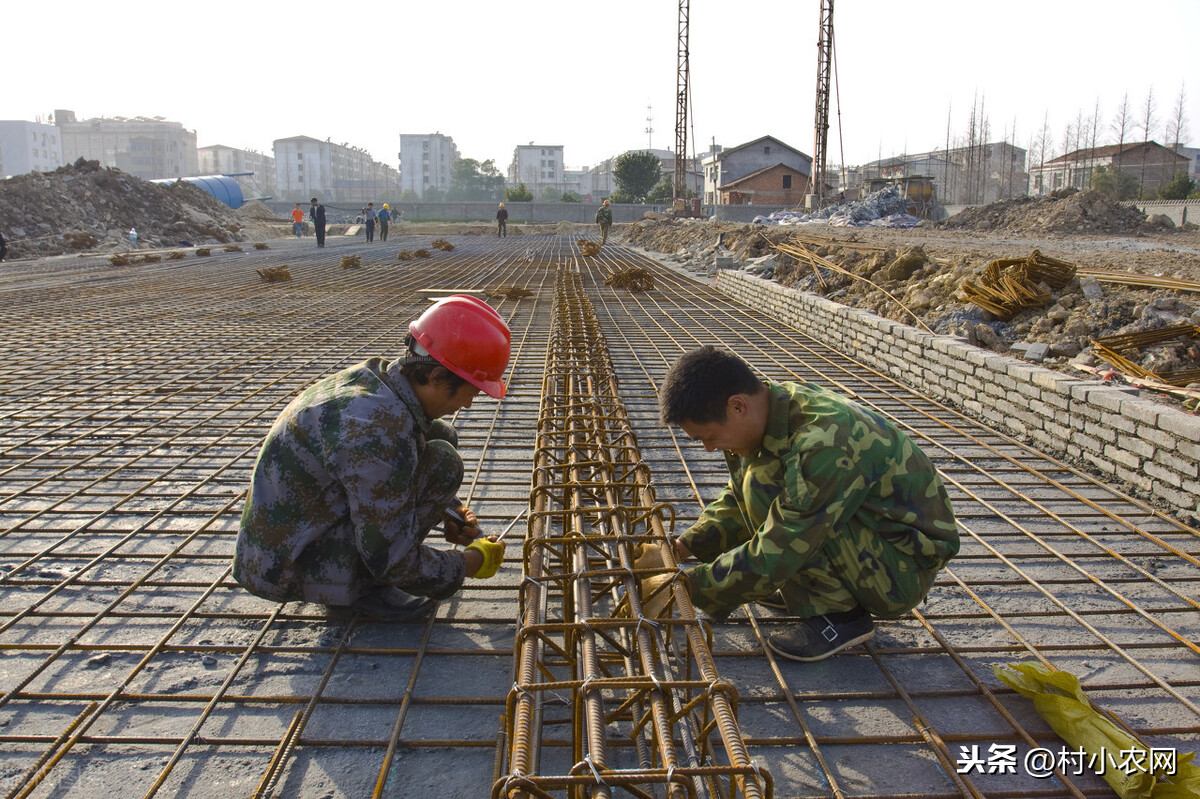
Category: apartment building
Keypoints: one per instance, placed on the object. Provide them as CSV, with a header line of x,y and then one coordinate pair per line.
x,y
336,173
253,171
426,161
29,147
145,147
540,167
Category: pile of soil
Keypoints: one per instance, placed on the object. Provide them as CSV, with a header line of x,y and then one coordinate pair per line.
x,y
87,207
916,276
1064,211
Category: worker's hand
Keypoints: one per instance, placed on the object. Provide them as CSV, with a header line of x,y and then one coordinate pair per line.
x,y
682,553
461,530
483,557
657,594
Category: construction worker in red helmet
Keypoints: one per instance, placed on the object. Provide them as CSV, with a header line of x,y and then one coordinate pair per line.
x,y
360,467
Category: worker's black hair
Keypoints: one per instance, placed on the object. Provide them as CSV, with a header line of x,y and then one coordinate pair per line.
x,y
423,373
699,385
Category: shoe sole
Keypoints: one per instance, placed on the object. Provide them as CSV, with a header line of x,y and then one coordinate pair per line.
x,y
852,642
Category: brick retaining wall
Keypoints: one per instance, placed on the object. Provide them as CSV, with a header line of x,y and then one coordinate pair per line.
x,y
1151,447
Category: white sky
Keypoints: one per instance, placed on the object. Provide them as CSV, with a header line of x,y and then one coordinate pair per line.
x,y
494,74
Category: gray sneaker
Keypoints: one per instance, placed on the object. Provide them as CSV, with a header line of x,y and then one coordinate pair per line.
x,y
821,636
387,603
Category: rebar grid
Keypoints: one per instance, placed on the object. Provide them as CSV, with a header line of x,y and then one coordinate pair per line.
x,y
135,399
648,709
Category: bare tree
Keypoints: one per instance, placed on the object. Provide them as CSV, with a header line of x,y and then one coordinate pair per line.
x,y
1043,152
1092,144
1069,135
1177,132
1147,126
1121,124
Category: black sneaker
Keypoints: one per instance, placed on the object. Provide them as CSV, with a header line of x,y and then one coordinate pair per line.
x,y
386,603
774,601
821,636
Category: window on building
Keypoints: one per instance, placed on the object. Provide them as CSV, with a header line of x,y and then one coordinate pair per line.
x,y
767,150
787,181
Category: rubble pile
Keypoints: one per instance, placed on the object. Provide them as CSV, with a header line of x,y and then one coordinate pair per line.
x,y
86,207
1064,211
884,208
918,277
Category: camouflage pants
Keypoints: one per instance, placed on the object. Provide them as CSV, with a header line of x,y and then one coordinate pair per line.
x,y
331,569
858,567
604,228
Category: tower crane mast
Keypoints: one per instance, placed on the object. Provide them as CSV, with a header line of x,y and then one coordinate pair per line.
x,y
681,101
821,132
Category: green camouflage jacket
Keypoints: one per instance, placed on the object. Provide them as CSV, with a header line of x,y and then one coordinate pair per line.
x,y
604,215
825,463
337,476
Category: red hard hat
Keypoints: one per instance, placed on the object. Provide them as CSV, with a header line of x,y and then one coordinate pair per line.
x,y
468,337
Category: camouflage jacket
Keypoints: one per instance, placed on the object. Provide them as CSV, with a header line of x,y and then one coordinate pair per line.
x,y
336,473
604,215
825,463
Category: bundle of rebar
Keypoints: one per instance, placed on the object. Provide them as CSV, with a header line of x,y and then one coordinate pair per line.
x,y
640,698
275,274
588,248
1011,285
442,245
351,261
633,279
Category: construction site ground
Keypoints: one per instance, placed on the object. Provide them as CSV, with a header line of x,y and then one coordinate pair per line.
x,y
136,397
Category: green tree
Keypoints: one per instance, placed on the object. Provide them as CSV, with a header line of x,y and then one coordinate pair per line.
x,y
471,180
518,195
621,196
1178,189
549,195
663,191
409,196
1115,183
571,197
636,173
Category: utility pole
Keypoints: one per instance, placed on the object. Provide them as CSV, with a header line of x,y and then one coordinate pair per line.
x,y
681,102
821,132
649,131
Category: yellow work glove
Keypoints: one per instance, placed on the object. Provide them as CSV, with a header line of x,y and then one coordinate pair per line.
x,y
493,556
657,594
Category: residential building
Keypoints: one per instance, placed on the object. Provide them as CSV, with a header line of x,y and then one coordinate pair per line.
x,y
29,147
145,147
426,162
1193,156
725,165
1151,164
254,171
975,175
335,173
771,185
539,166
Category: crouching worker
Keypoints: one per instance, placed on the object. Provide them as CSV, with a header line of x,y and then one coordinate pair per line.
x,y
359,468
832,512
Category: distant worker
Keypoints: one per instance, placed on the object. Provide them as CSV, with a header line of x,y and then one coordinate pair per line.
x,y
604,220
298,220
317,213
369,216
831,512
384,217
359,468
502,221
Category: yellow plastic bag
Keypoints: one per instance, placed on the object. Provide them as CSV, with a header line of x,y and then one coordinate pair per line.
x,y
1060,700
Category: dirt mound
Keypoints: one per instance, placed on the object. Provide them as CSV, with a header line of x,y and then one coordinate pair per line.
x,y
256,209
85,207
1065,211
